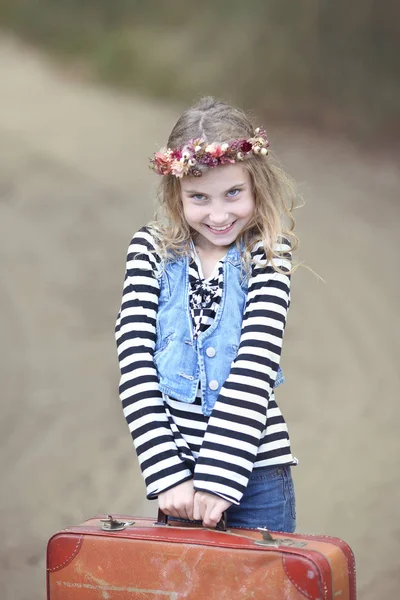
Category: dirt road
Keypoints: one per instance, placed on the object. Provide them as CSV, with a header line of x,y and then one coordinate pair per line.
x,y
74,186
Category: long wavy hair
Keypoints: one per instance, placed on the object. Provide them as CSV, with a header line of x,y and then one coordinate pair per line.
x,y
273,190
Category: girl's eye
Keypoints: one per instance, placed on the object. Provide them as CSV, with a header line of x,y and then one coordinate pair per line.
x,y
198,197
233,193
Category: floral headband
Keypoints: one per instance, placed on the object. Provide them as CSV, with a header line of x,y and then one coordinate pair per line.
x,y
197,155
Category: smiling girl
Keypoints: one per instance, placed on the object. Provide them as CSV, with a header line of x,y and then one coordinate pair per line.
x,y
200,329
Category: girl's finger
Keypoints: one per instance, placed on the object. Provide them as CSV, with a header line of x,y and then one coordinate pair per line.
x,y
207,520
183,513
196,510
215,515
189,512
172,512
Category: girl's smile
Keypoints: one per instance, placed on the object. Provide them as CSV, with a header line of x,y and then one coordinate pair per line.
x,y
221,230
218,205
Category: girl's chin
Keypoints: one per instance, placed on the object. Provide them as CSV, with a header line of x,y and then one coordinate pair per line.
x,y
208,241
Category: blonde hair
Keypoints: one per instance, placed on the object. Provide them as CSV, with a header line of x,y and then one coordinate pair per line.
x,y
274,192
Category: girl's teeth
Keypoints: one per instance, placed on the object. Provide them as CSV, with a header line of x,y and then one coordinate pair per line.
x,y
221,228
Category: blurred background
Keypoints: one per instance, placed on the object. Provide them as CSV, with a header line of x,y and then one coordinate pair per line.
x,y
88,90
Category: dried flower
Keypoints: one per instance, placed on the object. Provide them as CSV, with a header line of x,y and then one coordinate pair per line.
x,y
246,146
161,163
210,161
179,169
176,154
226,160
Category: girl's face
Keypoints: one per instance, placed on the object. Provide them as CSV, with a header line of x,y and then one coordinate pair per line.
x,y
218,205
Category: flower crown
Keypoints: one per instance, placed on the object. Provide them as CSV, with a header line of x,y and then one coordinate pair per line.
x,y
197,155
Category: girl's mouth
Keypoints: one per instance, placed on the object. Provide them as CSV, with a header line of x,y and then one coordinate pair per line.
x,y
221,230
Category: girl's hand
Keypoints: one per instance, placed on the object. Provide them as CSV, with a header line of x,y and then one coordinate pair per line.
x,y
178,501
209,508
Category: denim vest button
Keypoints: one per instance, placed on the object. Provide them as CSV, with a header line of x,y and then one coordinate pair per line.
x,y
213,385
210,351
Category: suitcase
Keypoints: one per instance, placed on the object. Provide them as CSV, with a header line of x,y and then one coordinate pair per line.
x,y
136,558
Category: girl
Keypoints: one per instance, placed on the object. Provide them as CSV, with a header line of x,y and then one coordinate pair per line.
x,y
199,332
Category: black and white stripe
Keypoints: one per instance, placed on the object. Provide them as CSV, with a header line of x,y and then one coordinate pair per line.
x,y
204,295
174,441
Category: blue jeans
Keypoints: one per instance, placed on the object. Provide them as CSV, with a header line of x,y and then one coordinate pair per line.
x,y
268,501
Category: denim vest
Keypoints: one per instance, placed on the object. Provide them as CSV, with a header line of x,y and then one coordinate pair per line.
x,y
181,361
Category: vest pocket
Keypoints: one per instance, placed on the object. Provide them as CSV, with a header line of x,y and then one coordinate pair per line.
x,y
177,369
163,347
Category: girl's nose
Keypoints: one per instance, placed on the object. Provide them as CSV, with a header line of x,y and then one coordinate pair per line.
x,y
219,219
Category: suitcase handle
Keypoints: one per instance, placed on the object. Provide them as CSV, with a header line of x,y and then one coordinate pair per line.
x,y
162,519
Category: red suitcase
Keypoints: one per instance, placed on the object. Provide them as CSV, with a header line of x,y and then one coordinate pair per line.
x,y
130,558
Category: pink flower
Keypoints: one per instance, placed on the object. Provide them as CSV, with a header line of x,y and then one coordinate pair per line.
x,y
217,152
176,154
214,150
225,160
162,163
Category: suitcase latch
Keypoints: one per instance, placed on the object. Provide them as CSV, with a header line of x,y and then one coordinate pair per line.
x,y
268,540
111,524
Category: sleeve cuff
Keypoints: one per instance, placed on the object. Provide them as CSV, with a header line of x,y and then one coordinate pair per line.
x,y
167,484
226,495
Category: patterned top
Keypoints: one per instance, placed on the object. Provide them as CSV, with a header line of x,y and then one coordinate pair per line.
x,y
174,440
204,294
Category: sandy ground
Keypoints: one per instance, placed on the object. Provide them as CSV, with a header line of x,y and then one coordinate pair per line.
x,y
74,186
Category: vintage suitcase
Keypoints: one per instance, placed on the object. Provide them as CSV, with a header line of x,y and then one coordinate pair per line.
x,y
132,558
